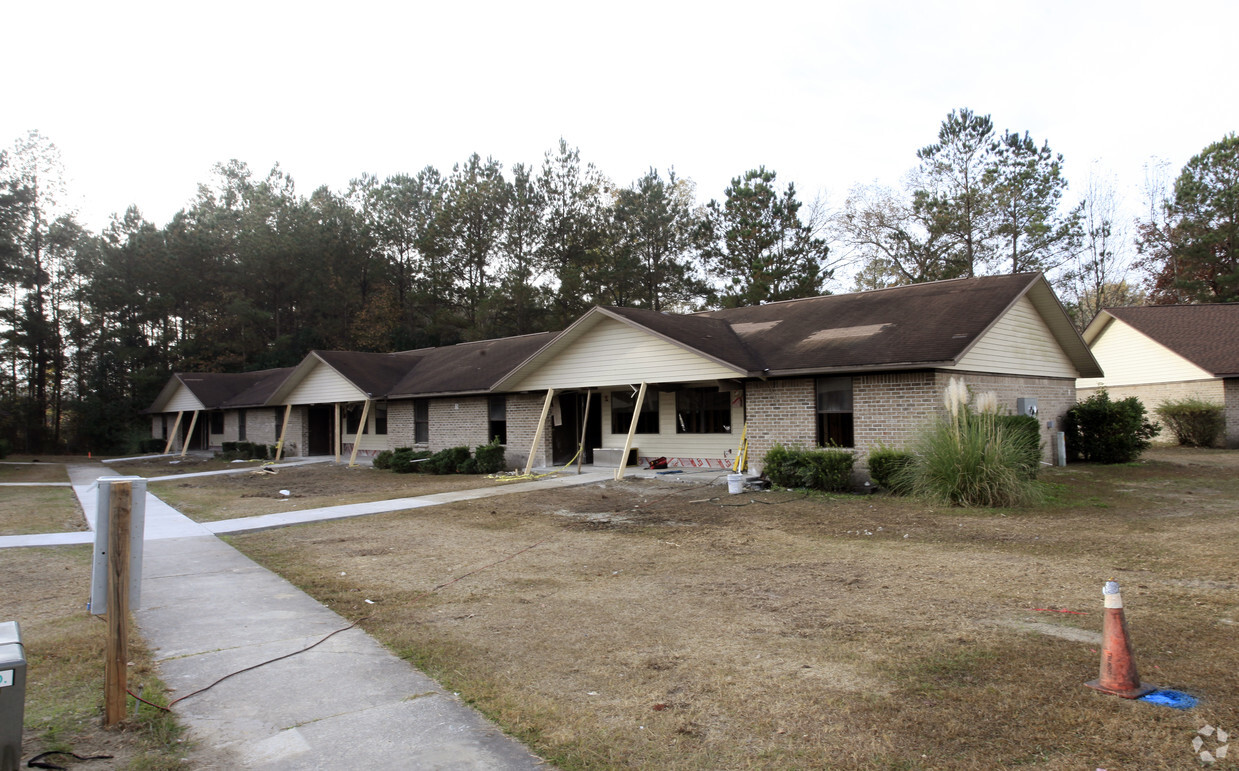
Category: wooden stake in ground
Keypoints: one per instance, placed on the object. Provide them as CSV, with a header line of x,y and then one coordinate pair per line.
x,y
120,503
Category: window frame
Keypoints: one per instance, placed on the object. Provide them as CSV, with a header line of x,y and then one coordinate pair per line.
x,y
421,421
835,415
622,407
694,413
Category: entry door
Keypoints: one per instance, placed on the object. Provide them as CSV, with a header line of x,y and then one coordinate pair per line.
x,y
567,435
319,419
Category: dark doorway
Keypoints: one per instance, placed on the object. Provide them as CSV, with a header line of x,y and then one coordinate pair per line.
x,y
319,420
567,435
200,438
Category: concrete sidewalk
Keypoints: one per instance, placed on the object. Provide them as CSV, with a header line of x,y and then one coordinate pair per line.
x,y
209,611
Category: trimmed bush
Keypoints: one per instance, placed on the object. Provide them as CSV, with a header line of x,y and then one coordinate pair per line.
x,y
382,461
144,446
820,469
403,460
447,461
1194,422
1104,431
885,464
489,458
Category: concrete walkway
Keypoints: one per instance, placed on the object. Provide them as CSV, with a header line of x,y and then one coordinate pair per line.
x,y
209,611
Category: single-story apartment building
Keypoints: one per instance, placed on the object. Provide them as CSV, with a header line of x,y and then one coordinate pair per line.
x,y
1163,353
850,370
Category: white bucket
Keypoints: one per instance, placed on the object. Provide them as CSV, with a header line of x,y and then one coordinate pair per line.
x,y
735,483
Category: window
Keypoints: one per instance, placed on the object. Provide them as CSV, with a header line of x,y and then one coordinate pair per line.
x,y
352,420
380,419
834,412
217,422
703,411
279,422
497,407
622,404
240,425
421,421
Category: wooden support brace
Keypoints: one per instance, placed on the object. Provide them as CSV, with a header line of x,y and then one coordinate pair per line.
x,y
580,456
537,434
189,435
361,427
279,446
172,436
632,429
336,432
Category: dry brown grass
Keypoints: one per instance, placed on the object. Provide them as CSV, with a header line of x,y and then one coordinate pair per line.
x,y
247,494
32,472
25,510
45,591
643,629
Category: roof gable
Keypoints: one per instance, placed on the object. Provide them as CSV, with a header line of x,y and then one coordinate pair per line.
x,y
1205,335
468,367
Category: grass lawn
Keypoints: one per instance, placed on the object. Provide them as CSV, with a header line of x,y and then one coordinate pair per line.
x,y
667,624
45,591
25,510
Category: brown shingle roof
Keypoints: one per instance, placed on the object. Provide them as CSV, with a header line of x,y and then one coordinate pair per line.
x,y
374,373
907,326
468,367
1205,335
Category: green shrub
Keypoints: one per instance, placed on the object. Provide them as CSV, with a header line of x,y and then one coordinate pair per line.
x,y
144,446
820,469
489,458
447,461
1104,431
467,466
884,466
382,461
1194,422
405,461
229,448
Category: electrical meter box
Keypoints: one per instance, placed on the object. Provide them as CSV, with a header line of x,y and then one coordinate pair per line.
x,y
12,695
1025,406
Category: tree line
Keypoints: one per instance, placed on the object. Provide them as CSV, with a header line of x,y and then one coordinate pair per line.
x,y
253,273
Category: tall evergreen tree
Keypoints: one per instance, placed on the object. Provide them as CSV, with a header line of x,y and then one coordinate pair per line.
x,y
760,248
1026,188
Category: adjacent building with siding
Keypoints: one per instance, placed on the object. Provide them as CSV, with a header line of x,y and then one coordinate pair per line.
x,y
1166,353
852,370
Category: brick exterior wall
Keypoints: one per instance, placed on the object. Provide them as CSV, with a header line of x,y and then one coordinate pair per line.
x,y
1151,395
779,411
891,408
523,413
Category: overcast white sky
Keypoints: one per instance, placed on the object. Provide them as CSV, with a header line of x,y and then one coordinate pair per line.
x,y
143,98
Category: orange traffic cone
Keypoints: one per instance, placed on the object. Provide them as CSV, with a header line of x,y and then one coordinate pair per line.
x,y
1118,668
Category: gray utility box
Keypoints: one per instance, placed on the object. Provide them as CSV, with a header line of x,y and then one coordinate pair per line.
x,y
12,695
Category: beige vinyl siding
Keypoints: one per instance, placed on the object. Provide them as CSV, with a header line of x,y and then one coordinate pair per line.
x,y
667,442
613,353
371,440
183,401
1019,344
324,386
1130,358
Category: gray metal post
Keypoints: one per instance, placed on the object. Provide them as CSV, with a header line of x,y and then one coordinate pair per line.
x,y
137,532
12,695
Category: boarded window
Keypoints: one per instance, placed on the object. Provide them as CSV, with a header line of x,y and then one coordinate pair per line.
x,y
834,412
497,407
703,411
622,405
421,421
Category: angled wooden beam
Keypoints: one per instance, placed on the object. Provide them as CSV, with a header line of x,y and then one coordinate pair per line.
x,y
361,429
335,432
189,434
279,445
584,424
632,429
537,434
172,436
